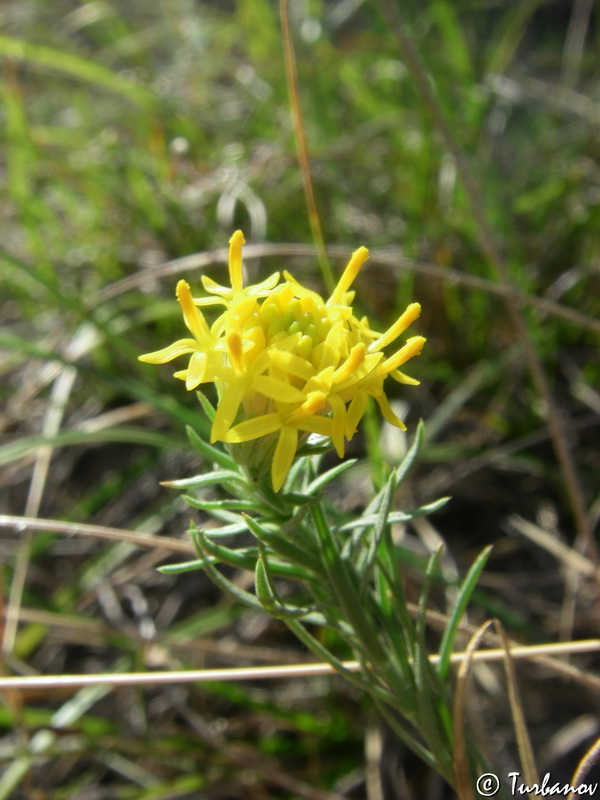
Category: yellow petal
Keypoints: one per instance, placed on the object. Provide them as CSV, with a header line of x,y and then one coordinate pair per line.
x,y
278,390
234,349
179,348
264,287
347,386
339,423
292,364
387,412
402,377
321,382
312,405
213,288
329,352
412,348
210,301
351,364
284,455
196,370
244,307
321,425
235,261
302,291
355,413
253,428
193,318
401,324
227,410
349,274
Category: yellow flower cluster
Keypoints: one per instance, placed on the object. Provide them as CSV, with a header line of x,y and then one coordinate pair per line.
x,y
285,362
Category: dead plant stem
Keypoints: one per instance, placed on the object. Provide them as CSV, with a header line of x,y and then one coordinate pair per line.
x,y
301,147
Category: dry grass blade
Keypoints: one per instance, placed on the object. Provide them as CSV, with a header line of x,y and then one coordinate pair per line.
x,y
461,761
569,557
268,672
392,258
574,43
523,742
98,532
589,760
559,98
541,654
52,422
575,565
302,149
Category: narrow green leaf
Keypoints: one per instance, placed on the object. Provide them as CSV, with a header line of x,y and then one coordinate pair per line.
x,y
345,583
366,558
326,477
207,479
426,678
267,593
291,551
314,449
460,605
406,737
184,566
220,580
390,602
242,558
413,451
245,558
395,516
296,473
226,530
372,428
222,514
227,504
213,454
207,406
323,654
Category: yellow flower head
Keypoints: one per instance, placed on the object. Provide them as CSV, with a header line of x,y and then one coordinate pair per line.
x,y
286,363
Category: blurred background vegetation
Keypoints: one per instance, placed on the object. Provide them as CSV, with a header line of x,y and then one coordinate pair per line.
x,y
141,132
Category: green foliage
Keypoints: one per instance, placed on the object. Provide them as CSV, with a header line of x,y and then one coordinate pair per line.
x,y
142,132
350,584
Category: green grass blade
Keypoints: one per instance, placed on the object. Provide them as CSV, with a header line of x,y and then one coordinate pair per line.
x,y
75,67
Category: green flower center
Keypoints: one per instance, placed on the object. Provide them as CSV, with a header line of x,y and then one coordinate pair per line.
x,y
313,325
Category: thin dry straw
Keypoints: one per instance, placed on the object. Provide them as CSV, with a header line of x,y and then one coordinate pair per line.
x,y
263,673
97,532
389,258
301,146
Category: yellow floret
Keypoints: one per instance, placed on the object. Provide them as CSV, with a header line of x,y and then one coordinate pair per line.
x,y
286,363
